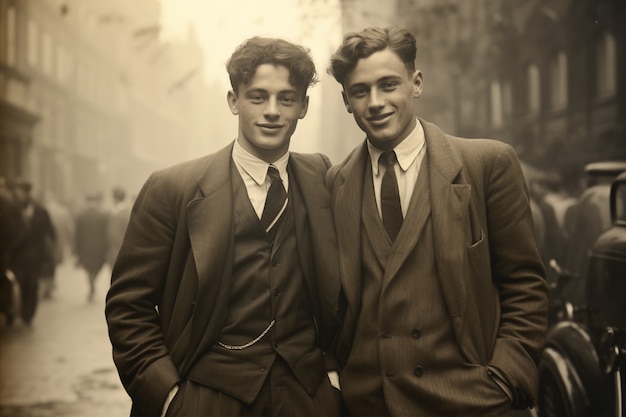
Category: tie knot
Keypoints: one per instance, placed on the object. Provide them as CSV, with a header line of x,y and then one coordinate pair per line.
x,y
388,158
272,172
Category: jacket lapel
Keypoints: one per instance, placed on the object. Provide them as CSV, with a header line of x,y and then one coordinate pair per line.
x,y
450,208
210,228
347,212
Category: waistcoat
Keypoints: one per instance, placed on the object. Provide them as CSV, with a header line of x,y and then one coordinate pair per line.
x,y
267,284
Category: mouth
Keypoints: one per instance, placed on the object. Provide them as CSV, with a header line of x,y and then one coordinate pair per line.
x,y
379,119
270,126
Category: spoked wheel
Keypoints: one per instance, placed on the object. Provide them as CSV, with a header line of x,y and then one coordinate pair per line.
x,y
552,402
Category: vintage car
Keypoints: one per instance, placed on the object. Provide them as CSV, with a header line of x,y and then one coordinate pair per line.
x,y
580,372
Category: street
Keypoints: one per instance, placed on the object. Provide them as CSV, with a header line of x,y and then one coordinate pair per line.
x,y
62,366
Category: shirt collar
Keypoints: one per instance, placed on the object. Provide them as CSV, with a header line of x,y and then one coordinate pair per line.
x,y
256,167
406,151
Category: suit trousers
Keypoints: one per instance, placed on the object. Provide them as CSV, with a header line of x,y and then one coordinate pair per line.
x,y
281,396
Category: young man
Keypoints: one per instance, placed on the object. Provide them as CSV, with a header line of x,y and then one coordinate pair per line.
x,y
32,254
223,293
445,298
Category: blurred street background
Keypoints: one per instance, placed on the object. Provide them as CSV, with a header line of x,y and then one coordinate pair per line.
x,y
62,366
95,95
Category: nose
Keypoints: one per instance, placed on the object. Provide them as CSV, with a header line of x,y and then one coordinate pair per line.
x,y
376,100
271,109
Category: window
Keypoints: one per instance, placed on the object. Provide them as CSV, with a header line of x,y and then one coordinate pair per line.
x,y
46,51
558,81
496,104
33,43
534,90
606,78
11,35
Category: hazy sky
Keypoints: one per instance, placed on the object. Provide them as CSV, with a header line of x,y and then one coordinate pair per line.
x,y
222,25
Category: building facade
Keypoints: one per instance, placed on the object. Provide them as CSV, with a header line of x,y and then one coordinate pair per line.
x,y
17,122
106,100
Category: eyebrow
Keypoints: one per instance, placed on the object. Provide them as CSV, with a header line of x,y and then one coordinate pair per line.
x,y
263,90
378,81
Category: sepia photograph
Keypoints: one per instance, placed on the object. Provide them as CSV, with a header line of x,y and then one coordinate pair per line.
x,y
278,208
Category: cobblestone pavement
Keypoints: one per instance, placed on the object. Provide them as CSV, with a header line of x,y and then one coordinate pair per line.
x,y
62,366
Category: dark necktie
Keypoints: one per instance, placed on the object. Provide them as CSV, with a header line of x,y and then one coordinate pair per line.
x,y
275,203
390,197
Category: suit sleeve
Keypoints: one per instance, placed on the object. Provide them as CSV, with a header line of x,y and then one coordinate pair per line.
x,y
519,275
139,352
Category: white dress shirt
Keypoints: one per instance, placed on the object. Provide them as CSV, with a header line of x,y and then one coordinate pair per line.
x,y
253,171
410,154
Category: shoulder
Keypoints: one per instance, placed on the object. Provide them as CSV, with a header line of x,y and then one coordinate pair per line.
x,y
312,161
188,169
349,163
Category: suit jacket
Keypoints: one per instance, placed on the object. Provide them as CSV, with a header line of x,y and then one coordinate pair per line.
x,y
90,238
170,284
489,268
35,238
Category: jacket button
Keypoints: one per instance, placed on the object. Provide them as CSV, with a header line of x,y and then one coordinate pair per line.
x,y
419,371
417,333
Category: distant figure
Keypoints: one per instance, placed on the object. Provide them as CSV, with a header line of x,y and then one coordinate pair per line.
x,y
10,230
91,242
552,241
64,227
586,221
33,255
118,219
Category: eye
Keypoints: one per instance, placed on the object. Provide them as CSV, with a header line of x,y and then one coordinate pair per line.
x,y
389,85
256,99
288,100
358,92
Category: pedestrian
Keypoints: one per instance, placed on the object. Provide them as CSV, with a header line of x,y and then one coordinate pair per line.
x,y
91,240
64,227
33,255
445,298
587,219
118,219
11,229
223,294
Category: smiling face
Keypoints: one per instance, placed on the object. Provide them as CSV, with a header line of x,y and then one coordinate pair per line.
x,y
268,107
380,93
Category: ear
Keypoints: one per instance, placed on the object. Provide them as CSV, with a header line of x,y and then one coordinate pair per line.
x,y
346,102
305,107
418,83
233,102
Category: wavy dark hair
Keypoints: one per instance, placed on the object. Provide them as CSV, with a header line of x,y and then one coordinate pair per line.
x,y
358,45
243,63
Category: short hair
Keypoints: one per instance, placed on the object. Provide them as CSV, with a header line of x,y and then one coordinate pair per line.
x,y
256,51
358,45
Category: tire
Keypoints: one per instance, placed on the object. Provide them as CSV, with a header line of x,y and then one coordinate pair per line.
x,y
561,392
